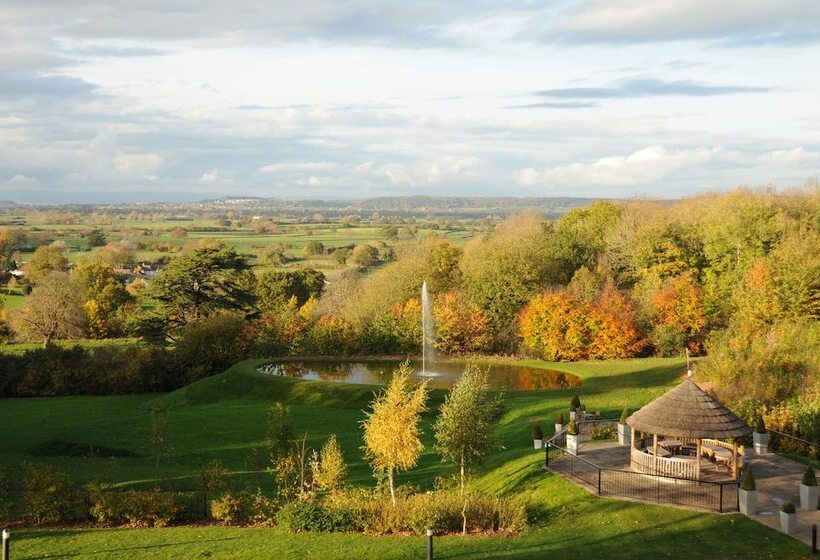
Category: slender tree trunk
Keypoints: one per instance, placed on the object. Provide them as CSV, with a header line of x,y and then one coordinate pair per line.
x,y
392,488
464,517
462,473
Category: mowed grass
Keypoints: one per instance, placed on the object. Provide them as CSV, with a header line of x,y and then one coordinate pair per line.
x,y
224,417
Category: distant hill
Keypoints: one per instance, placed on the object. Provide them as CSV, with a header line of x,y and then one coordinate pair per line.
x,y
452,206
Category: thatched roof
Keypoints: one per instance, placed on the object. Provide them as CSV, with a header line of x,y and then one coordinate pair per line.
x,y
688,411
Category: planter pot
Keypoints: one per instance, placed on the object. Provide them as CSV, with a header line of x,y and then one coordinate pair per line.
x,y
808,497
788,522
572,444
747,500
558,428
572,415
624,434
761,442
538,443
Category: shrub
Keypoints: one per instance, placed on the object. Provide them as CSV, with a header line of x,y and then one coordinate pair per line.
x,y
559,418
787,507
575,403
572,428
309,515
760,426
5,498
261,509
748,482
148,508
50,496
809,478
537,432
603,432
229,508
624,416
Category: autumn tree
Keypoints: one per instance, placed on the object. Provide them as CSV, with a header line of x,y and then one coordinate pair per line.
x,y
45,260
105,294
275,288
330,470
677,307
54,310
392,432
364,256
461,326
463,430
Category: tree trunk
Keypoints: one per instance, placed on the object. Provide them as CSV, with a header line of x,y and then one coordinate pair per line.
x,y
462,474
392,489
464,517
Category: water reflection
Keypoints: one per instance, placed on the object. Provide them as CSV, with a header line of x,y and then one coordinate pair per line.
x,y
439,375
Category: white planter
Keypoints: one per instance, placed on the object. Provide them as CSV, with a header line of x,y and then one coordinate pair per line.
x,y
747,499
572,415
761,442
572,444
788,522
808,497
538,443
624,434
558,428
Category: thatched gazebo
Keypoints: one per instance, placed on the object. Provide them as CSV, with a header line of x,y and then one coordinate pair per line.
x,y
692,424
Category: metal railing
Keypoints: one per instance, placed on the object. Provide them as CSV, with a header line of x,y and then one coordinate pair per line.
x,y
705,495
788,443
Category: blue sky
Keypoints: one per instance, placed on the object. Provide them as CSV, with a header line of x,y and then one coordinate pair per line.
x,y
170,99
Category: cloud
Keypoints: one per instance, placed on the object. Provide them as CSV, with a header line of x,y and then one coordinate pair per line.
x,y
728,21
29,85
641,167
649,87
555,105
299,167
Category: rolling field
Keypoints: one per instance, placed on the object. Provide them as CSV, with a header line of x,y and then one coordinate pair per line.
x,y
224,417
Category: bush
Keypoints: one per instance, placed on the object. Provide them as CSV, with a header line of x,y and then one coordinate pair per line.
x,y
602,432
624,416
261,509
809,478
748,482
572,428
575,403
788,507
441,510
230,508
537,432
148,508
308,515
559,418
51,496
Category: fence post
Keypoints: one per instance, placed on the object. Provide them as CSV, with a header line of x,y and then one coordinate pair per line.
x,y
547,455
6,543
814,538
720,505
599,481
429,543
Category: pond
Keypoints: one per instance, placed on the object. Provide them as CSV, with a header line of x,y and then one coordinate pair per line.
x,y
442,375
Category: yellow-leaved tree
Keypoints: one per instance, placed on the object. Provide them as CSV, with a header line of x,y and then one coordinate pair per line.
x,y
392,436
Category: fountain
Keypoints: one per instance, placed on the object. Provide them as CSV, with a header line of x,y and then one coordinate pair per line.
x,y
427,352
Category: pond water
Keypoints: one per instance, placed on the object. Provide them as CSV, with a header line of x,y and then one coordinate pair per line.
x,y
440,375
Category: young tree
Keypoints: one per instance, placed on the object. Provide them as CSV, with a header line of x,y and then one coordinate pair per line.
x,y
463,427
330,470
54,310
280,431
392,434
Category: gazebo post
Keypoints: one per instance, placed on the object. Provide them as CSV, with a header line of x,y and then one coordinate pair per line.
x,y
734,458
655,451
697,458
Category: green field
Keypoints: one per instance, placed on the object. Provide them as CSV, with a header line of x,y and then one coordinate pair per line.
x,y
224,417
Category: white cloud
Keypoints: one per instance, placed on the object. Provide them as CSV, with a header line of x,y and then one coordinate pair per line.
x,y
21,181
299,167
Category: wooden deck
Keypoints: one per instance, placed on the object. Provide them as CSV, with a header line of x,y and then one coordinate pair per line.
x,y
610,455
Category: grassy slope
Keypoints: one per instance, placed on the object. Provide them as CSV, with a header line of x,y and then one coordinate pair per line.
x,y
224,416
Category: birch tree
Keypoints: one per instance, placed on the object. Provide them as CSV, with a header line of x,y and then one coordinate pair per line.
x,y
392,435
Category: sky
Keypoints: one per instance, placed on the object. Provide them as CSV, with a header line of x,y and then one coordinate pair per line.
x,y
129,100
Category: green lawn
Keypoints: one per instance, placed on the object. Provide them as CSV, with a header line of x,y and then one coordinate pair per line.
x,y
224,417
19,348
